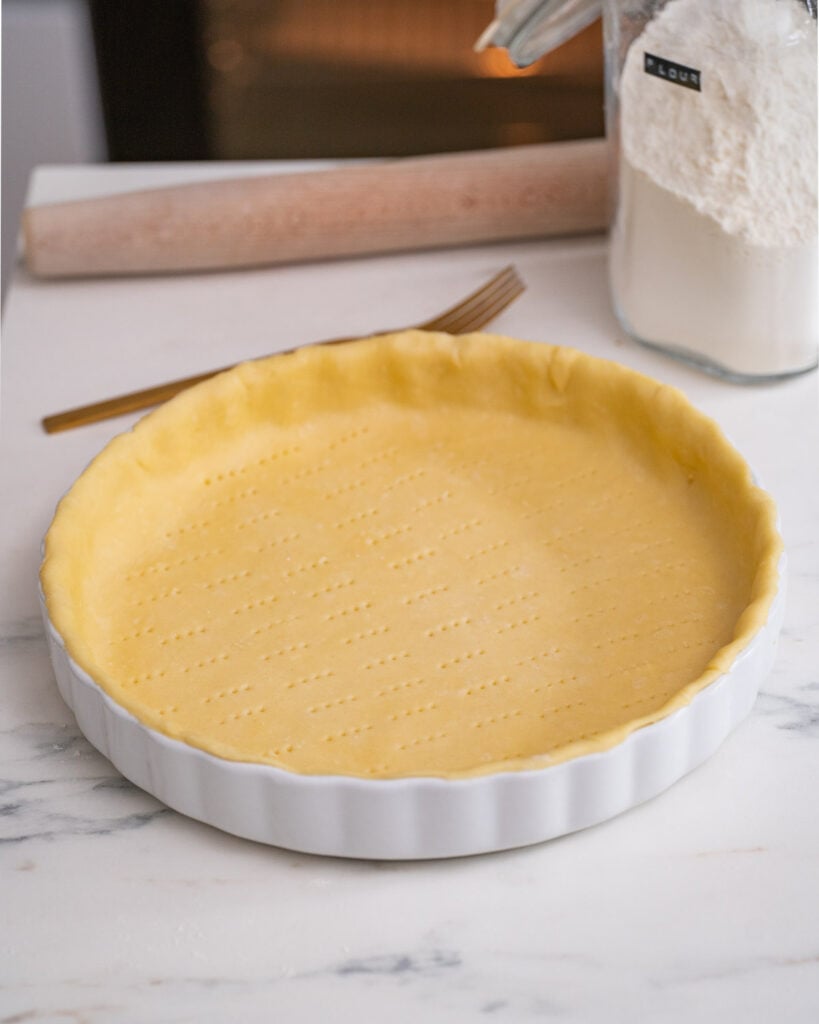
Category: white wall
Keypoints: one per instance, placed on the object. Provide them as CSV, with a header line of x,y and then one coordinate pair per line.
x,y
50,102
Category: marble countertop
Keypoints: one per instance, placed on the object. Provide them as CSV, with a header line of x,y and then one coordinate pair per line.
x,y
701,905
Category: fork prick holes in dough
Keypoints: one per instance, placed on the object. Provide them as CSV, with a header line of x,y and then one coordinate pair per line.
x,y
448,627
426,595
460,659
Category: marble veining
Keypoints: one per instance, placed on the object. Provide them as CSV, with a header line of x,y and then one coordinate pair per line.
x,y
797,711
48,796
399,963
700,905
24,631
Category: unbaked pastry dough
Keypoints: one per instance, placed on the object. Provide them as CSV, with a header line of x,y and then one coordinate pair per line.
x,y
415,555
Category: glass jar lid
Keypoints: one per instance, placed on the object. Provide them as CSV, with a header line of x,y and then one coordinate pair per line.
x,y
528,29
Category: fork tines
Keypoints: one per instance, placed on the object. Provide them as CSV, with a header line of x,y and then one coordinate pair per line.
x,y
482,306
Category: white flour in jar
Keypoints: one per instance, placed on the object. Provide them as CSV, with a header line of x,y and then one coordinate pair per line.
x,y
714,247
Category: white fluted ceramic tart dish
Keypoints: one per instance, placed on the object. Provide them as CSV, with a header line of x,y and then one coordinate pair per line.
x,y
414,596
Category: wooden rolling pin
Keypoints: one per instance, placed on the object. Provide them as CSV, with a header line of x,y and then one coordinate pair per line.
x,y
409,203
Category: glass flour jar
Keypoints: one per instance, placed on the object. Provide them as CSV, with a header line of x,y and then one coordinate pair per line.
x,y
711,118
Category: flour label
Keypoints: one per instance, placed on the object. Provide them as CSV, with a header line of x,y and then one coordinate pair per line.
x,y
667,69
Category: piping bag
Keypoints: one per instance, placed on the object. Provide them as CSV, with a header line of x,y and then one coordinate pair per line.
x,y
410,203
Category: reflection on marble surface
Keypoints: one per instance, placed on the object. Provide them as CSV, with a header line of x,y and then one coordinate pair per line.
x,y
701,905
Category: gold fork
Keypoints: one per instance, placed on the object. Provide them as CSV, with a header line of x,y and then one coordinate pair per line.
x,y
470,314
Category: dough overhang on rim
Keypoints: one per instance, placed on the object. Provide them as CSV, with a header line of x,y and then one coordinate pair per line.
x,y
414,555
